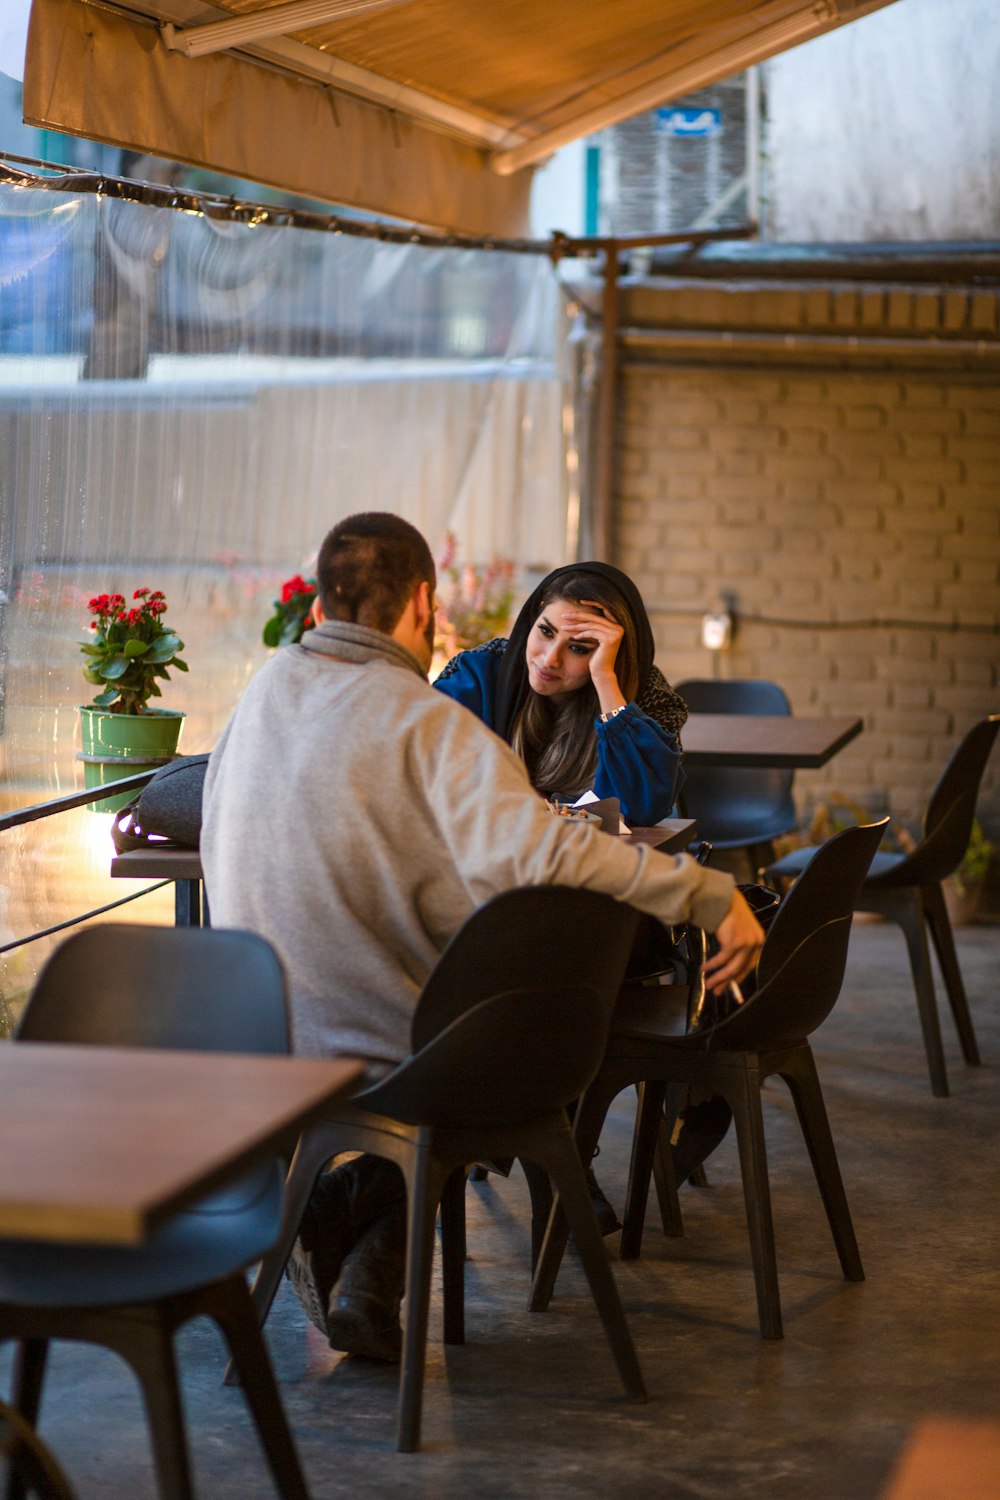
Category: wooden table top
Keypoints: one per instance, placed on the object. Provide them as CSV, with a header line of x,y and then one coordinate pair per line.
x,y
101,1144
766,740
671,836
166,862
155,863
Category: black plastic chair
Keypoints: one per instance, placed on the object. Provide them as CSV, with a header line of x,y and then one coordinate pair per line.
x,y
736,807
184,988
798,980
510,1028
906,888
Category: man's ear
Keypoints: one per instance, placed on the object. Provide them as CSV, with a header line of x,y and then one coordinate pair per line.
x,y
423,605
317,613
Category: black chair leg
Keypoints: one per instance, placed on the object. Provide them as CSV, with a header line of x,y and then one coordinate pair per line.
x,y
540,1192
743,1096
453,1251
944,946
425,1186
29,1376
233,1310
147,1344
665,1182
588,1123
648,1117
307,1163
306,1166
910,916
803,1083
563,1162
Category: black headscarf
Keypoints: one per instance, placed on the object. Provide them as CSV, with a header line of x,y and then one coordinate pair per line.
x,y
513,686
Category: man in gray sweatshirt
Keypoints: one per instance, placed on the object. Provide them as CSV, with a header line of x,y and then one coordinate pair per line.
x,y
356,818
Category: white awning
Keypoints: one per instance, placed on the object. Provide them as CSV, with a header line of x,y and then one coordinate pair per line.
x,y
433,111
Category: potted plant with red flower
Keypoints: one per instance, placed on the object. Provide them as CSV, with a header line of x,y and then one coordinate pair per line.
x,y
292,612
128,650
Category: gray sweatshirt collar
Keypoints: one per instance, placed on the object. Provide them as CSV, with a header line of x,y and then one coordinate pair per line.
x,y
359,643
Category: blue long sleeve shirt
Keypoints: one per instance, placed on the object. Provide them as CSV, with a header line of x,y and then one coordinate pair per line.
x,y
638,761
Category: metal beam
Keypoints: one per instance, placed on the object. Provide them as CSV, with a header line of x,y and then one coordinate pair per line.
x,y
755,41
278,20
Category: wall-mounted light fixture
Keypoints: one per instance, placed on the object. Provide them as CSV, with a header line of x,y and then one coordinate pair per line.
x,y
716,632
718,629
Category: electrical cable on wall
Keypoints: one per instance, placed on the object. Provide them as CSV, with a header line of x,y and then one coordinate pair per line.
x,y
875,623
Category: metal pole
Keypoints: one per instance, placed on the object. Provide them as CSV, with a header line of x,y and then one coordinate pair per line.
x,y
607,411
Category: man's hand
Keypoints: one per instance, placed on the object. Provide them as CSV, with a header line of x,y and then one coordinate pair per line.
x,y
740,938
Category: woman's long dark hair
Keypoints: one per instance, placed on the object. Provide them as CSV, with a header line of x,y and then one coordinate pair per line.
x,y
556,741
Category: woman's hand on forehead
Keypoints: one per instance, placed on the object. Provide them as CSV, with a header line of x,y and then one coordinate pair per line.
x,y
588,618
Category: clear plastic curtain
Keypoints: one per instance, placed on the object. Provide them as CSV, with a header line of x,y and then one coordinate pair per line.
x,y
187,403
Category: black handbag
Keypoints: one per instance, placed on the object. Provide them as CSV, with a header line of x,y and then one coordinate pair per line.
x,y
168,809
707,1009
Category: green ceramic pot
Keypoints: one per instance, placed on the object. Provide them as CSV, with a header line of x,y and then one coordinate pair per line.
x,y
117,745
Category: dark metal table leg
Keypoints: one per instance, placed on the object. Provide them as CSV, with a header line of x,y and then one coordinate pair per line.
x,y
187,903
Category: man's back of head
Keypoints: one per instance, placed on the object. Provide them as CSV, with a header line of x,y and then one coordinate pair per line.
x,y
369,566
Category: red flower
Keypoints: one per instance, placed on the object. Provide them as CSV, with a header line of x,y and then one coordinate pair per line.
x,y
293,586
140,593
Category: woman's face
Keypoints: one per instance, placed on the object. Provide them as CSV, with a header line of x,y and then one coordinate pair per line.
x,y
558,657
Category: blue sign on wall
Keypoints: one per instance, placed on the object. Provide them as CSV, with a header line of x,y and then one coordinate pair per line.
x,y
672,120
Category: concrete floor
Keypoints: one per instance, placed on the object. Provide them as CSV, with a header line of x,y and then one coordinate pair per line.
x,y
531,1405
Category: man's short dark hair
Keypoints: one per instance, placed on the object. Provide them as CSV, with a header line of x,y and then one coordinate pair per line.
x,y
368,568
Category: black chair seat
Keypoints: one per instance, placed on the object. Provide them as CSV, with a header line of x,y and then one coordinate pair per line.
x,y
221,1234
651,1010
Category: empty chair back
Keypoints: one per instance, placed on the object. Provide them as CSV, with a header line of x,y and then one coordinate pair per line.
x,y
512,1058
513,1022
802,963
736,806
197,988
533,936
949,815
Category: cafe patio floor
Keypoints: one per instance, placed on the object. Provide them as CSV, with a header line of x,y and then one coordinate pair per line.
x,y
531,1405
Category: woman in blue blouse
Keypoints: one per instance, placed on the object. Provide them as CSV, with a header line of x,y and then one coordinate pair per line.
x,y
575,692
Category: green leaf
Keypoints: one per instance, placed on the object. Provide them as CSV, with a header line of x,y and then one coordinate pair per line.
x,y
272,632
93,675
154,691
103,700
181,666
290,632
166,647
136,648
115,668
